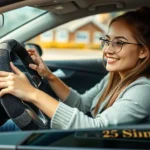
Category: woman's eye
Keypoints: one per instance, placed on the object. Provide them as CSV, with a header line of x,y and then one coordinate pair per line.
x,y
107,41
119,42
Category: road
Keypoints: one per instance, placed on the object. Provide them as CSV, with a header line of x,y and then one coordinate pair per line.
x,y
70,54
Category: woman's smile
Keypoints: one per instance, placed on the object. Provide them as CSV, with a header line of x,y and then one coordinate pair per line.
x,y
111,60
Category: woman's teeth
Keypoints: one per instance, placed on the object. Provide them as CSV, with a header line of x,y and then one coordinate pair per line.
x,y
111,60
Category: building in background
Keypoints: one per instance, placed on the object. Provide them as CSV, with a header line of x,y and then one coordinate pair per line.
x,y
82,33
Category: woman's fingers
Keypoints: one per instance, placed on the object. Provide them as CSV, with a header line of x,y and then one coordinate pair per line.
x,y
4,74
3,79
39,65
4,91
33,66
34,52
35,56
3,85
30,51
15,69
15,84
35,59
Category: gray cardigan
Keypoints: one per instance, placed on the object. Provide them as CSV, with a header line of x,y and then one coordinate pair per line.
x,y
131,106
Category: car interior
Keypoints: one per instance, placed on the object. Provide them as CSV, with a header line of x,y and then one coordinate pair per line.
x,y
79,74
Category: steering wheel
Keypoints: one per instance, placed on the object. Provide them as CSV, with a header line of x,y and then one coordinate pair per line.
x,y
24,114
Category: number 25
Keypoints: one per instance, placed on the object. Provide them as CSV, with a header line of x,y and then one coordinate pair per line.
x,y
110,134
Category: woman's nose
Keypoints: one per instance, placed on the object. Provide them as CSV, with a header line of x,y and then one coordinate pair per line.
x,y
109,49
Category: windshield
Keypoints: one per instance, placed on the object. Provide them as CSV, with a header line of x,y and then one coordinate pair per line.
x,y
18,17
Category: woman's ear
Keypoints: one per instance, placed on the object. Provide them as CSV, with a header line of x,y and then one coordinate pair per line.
x,y
144,52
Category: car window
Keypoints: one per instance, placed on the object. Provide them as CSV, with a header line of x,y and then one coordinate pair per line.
x,y
19,17
78,39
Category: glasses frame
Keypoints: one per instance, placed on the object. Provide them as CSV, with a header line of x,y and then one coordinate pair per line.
x,y
104,39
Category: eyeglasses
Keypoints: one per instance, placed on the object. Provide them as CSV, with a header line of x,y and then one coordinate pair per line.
x,y
116,44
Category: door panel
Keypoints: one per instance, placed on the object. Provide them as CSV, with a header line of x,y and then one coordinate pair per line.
x,y
81,75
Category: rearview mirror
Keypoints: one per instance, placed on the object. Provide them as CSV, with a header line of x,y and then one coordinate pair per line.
x,y
1,20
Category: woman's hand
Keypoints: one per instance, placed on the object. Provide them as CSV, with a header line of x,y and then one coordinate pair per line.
x,y
39,65
16,84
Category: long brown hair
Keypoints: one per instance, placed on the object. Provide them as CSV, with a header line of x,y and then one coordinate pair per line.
x,y
139,23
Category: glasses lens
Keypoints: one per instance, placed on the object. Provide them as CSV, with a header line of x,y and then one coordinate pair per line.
x,y
103,43
117,45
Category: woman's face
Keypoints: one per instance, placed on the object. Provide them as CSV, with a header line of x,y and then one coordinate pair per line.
x,y
129,55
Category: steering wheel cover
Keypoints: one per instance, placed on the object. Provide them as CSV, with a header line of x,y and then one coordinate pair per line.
x,y
21,112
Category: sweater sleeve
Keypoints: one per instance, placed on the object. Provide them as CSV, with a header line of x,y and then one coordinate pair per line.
x,y
84,101
133,107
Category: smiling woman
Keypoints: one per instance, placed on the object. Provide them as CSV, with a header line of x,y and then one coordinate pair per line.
x,y
122,96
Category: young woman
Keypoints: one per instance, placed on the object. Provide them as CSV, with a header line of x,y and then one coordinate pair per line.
x,y
122,97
